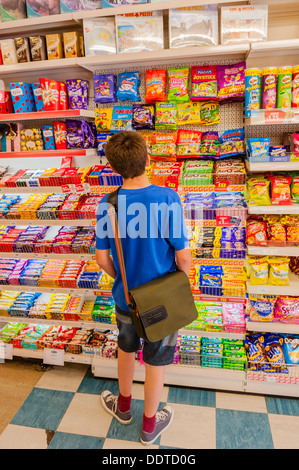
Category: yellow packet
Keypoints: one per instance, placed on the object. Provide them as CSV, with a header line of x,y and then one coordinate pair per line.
x,y
259,272
188,113
279,271
103,118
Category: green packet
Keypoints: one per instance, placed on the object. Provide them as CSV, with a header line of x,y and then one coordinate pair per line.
x,y
178,84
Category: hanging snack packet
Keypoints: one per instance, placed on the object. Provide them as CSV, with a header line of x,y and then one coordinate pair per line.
x,y
204,84
232,142
259,271
178,84
155,86
209,113
280,189
143,116
279,271
105,88
188,143
128,86
102,140
148,137
122,118
166,116
210,145
231,82
164,146
103,118
258,191
188,113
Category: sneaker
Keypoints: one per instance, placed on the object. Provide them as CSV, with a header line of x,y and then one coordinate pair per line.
x,y
164,418
110,404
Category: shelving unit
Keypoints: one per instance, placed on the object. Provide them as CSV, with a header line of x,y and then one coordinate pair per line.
x,y
273,51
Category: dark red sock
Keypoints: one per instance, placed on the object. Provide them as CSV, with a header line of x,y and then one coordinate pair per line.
x,y
124,403
149,423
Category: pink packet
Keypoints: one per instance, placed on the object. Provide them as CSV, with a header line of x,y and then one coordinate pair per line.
x,y
287,310
231,82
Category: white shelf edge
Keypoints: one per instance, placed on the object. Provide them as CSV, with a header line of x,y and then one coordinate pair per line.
x,y
272,327
257,167
274,209
273,250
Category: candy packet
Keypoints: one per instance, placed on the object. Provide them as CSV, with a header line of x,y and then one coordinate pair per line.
x,y
178,84
232,142
279,271
259,272
143,117
188,113
163,145
261,307
209,113
287,309
77,90
259,148
210,144
231,82
122,118
102,140
105,88
103,118
155,86
204,85
128,86
166,116
188,143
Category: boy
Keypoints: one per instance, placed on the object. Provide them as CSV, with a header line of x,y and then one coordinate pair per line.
x,y
154,243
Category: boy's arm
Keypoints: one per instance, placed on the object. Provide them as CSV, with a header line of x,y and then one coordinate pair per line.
x,y
183,260
105,262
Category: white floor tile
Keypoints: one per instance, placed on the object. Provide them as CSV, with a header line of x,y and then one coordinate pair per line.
x,y
193,427
23,437
138,392
241,402
65,379
285,431
119,444
86,416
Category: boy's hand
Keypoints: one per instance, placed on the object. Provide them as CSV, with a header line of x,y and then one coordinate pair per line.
x,y
183,260
105,262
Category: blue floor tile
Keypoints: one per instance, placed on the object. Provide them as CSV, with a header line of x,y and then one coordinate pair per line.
x,y
282,406
191,396
91,384
130,432
43,409
242,430
63,440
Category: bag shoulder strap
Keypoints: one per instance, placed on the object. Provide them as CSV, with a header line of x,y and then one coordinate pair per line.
x,y
112,199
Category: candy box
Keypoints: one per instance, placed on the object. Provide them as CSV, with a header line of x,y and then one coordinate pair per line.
x,y
12,10
71,43
8,51
99,36
5,102
50,93
38,48
38,97
77,90
67,6
22,49
22,97
60,134
42,8
54,46
48,136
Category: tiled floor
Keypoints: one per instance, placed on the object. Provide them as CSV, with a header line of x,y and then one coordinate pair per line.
x,y
63,411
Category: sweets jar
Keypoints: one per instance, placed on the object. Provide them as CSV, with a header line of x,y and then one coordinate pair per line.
x,y
295,87
269,88
284,87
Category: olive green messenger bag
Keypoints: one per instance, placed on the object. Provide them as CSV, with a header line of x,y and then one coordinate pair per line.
x,y
159,307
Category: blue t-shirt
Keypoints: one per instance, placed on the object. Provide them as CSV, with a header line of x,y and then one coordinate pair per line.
x,y
152,227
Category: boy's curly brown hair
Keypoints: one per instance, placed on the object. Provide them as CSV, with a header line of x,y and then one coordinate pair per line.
x,y
127,154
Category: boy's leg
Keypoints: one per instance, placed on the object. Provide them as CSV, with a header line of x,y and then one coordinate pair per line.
x,y
153,387
126,367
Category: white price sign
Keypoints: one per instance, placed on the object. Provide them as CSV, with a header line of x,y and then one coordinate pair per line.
x,y
6,351
54,357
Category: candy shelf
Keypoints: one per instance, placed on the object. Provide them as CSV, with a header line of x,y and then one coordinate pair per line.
x,y
27,25
292,289
274,209
273,250
264,117
49,153
63,256
55,222
50,290
273,48
38,66
83,113
259,167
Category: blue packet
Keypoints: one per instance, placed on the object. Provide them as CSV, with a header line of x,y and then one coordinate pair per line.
x,y
102,140
128,86
231,142
122,118
259,148
211,276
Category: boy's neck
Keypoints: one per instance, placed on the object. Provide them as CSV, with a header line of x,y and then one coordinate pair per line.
x,y
138,182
